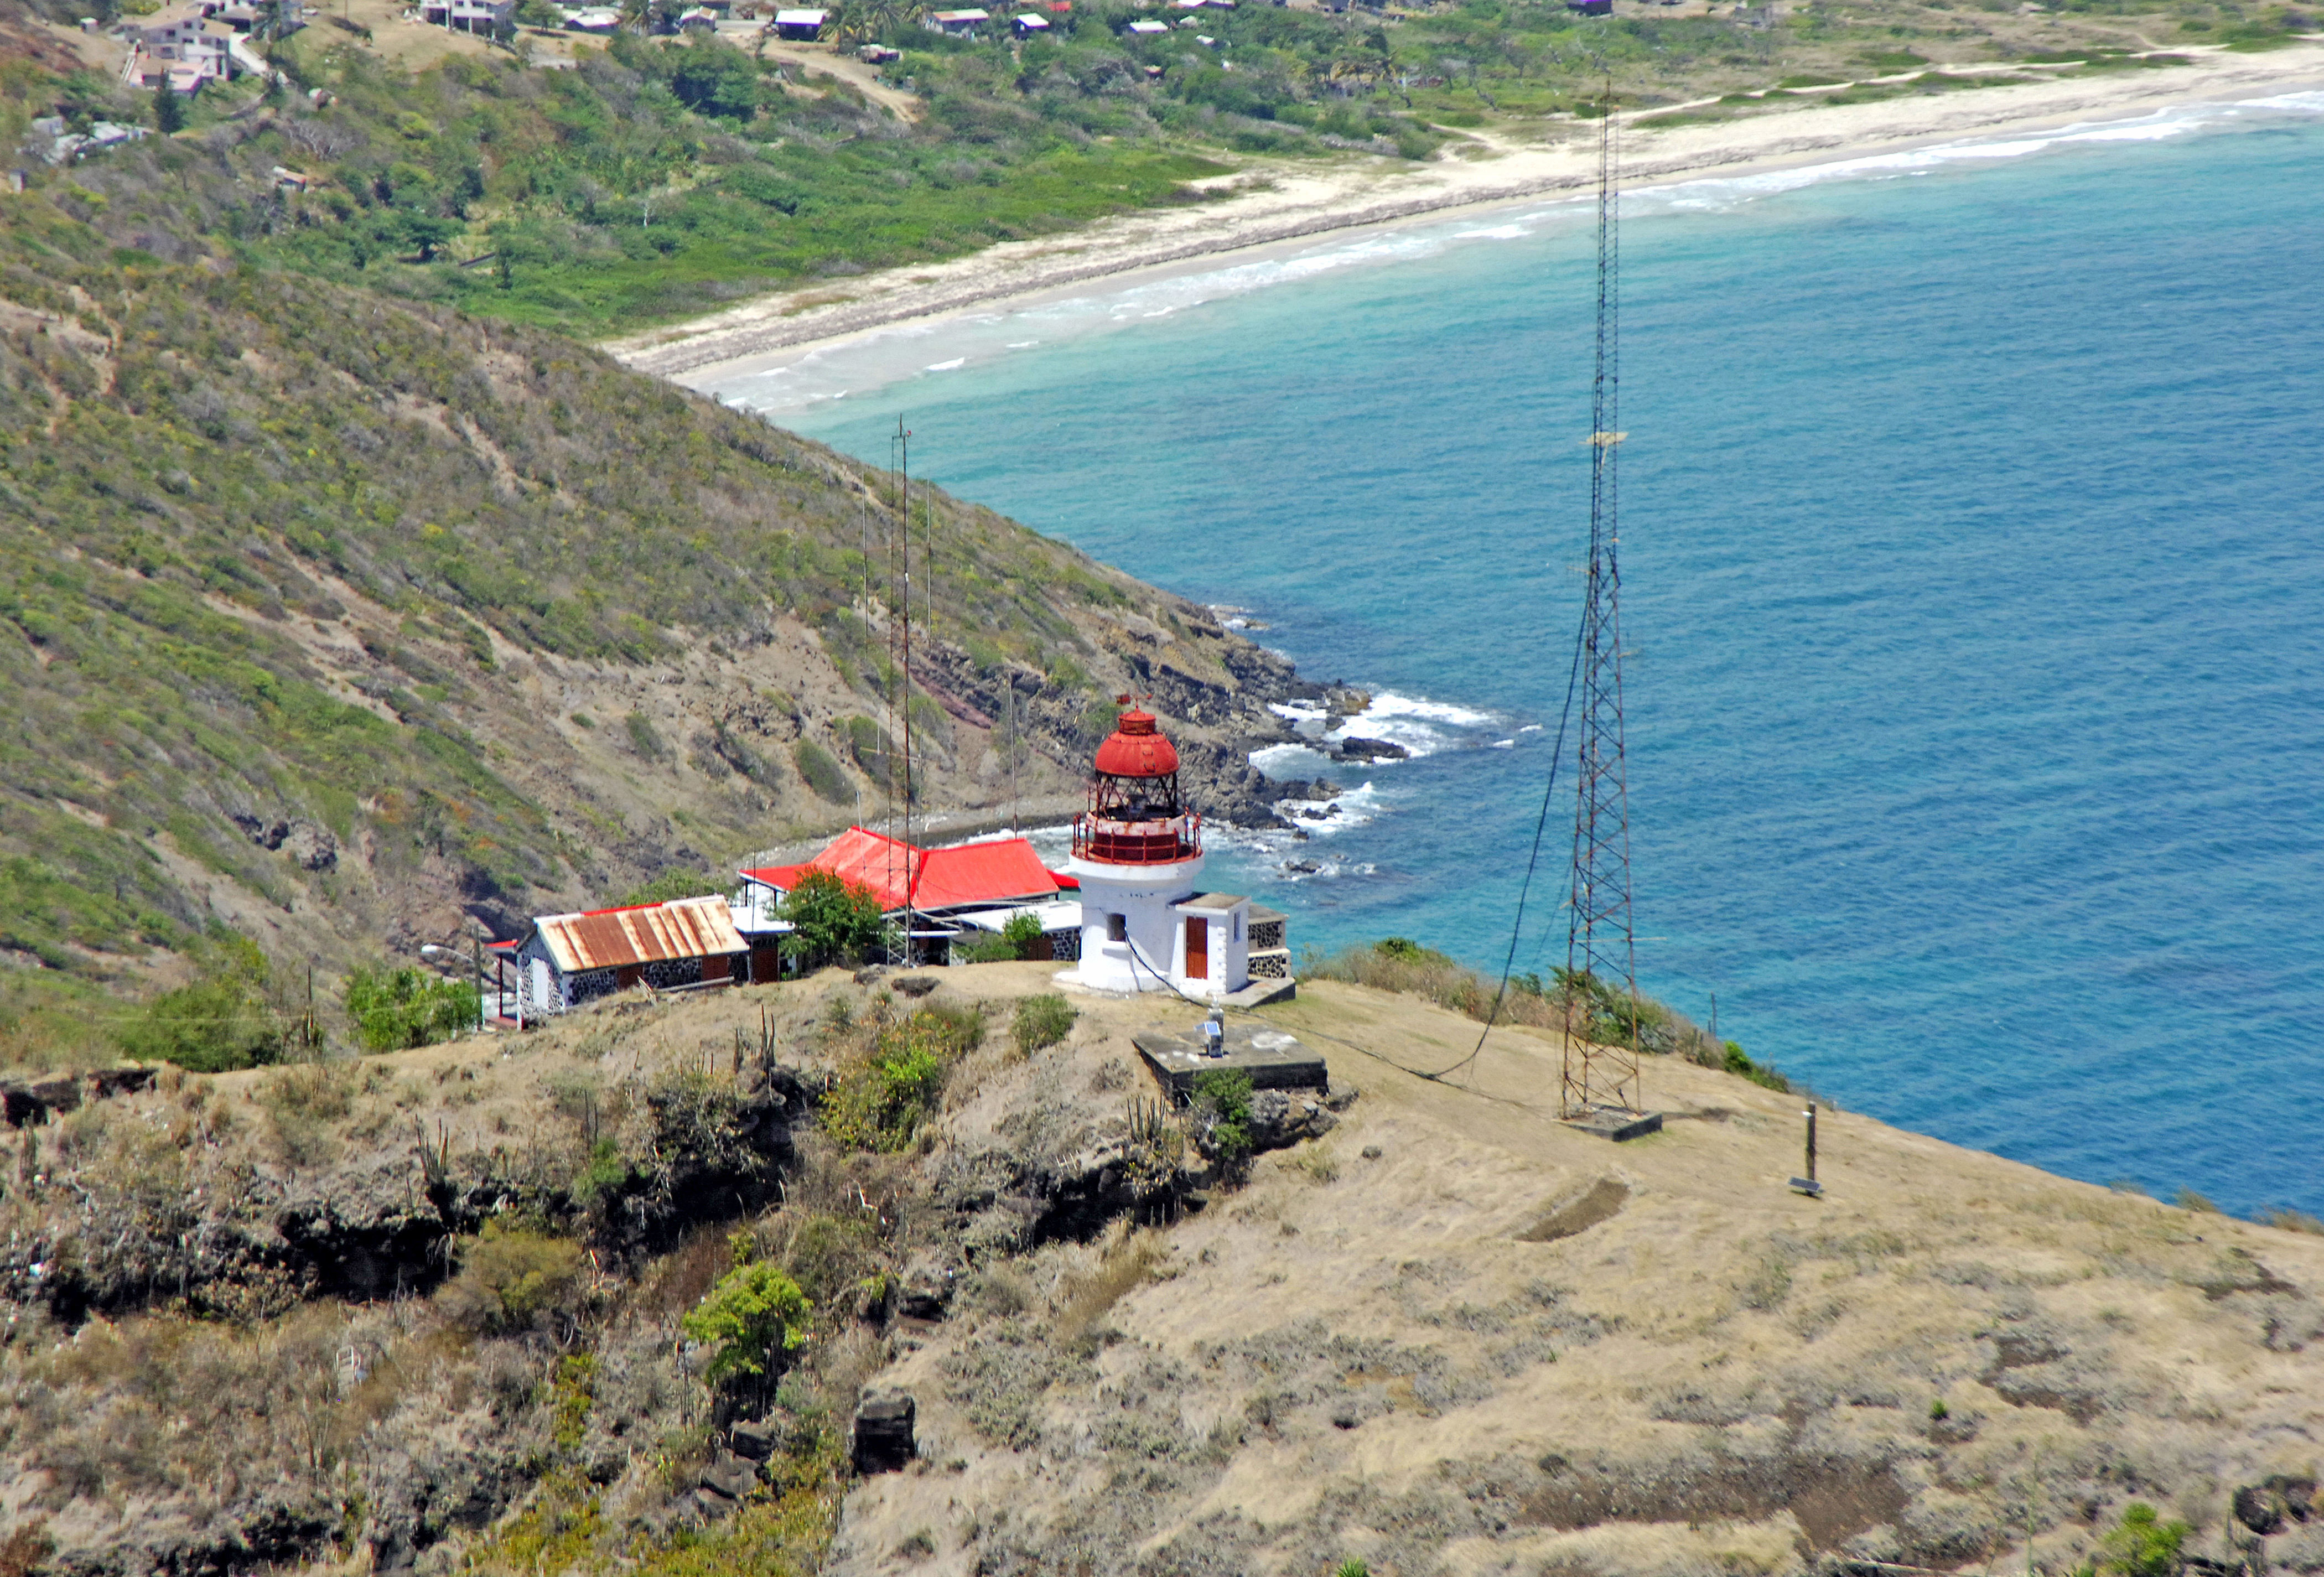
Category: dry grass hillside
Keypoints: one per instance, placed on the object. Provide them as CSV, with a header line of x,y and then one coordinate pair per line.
x,y
426,1310
345,625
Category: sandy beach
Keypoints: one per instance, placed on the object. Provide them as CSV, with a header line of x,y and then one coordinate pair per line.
x,y
1278,204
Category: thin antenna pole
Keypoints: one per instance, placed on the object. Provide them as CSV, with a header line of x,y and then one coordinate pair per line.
x,y
1601,942
904,688
901,451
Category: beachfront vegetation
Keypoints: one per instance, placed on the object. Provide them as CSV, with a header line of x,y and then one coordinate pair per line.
x,y
663,178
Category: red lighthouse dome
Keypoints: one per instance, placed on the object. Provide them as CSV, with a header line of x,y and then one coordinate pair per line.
x,y
1136,749
1135,815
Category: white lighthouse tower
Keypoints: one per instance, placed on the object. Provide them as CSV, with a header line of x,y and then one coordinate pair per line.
x,y
1138,854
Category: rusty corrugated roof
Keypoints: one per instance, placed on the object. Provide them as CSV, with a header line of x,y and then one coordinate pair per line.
x,y
687,927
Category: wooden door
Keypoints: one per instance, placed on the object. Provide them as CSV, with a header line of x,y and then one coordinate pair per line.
x,y
1198,947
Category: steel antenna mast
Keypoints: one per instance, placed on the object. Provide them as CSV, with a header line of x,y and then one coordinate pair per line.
x,y
1599,1081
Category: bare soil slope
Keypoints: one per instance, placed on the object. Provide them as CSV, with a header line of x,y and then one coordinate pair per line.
x,y
1456,1337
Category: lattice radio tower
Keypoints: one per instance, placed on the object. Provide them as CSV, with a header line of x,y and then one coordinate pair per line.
x,y
1601,942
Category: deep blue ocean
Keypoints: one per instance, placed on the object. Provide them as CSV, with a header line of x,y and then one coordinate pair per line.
x,y
1973,543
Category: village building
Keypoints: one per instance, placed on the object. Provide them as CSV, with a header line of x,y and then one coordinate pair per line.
x,y
943,897
1147,924
563,961
486,16
1027,24
958,23
180,48
803,25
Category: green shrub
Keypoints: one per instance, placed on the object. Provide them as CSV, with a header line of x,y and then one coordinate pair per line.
x,y
676,884
1023,934
222,1021
397,1009
987,948
2140,1545
513,1281
642,737
1733,1059
1221,1102
820,770
835,920
885,1093
1042,1020
751,1319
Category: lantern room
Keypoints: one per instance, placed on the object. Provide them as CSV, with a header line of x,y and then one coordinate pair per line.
x,y
1135,816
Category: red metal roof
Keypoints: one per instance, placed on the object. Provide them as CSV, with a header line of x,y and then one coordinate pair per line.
x,y
896,873
688,927
1136,749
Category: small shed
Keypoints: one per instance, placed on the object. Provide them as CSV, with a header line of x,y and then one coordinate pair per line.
x,y
1146,27
958,23
1214,950
1026,25
803,25
567,959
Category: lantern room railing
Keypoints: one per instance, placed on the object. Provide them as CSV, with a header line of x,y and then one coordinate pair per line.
x,y
1110,842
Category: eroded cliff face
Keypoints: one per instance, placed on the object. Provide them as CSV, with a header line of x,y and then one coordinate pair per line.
x,y
425,1311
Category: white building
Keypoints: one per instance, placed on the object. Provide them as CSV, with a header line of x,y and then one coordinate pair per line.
x,y
469,16
1138,854
180,48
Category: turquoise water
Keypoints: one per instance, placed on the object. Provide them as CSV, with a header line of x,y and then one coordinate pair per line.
x,y
1971,531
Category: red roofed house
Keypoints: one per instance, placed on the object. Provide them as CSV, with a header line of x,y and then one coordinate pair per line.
x,y
565,960
970,886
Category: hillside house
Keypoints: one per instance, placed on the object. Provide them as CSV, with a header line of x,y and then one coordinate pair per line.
x,y
805,26
950,894
180,48
958,23
491,17
565,960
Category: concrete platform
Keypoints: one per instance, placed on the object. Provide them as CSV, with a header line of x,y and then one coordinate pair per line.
x,y
1615,1123
1259,993
1274,1059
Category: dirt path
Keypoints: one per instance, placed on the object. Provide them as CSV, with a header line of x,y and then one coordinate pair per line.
x,y
857,73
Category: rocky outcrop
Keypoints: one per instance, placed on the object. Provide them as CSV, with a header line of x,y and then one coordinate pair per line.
x,y
25,1100
222,1232
883,1440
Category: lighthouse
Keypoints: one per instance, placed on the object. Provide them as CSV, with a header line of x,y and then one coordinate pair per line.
x,y
1138,854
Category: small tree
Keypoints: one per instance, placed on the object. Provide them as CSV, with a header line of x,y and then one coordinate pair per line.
x,y
224,1020
751,1319
1023,934
833,919
168,112
397,1009
2141,1545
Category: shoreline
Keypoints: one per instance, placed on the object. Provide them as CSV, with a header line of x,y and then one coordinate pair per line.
x,y
1288,208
